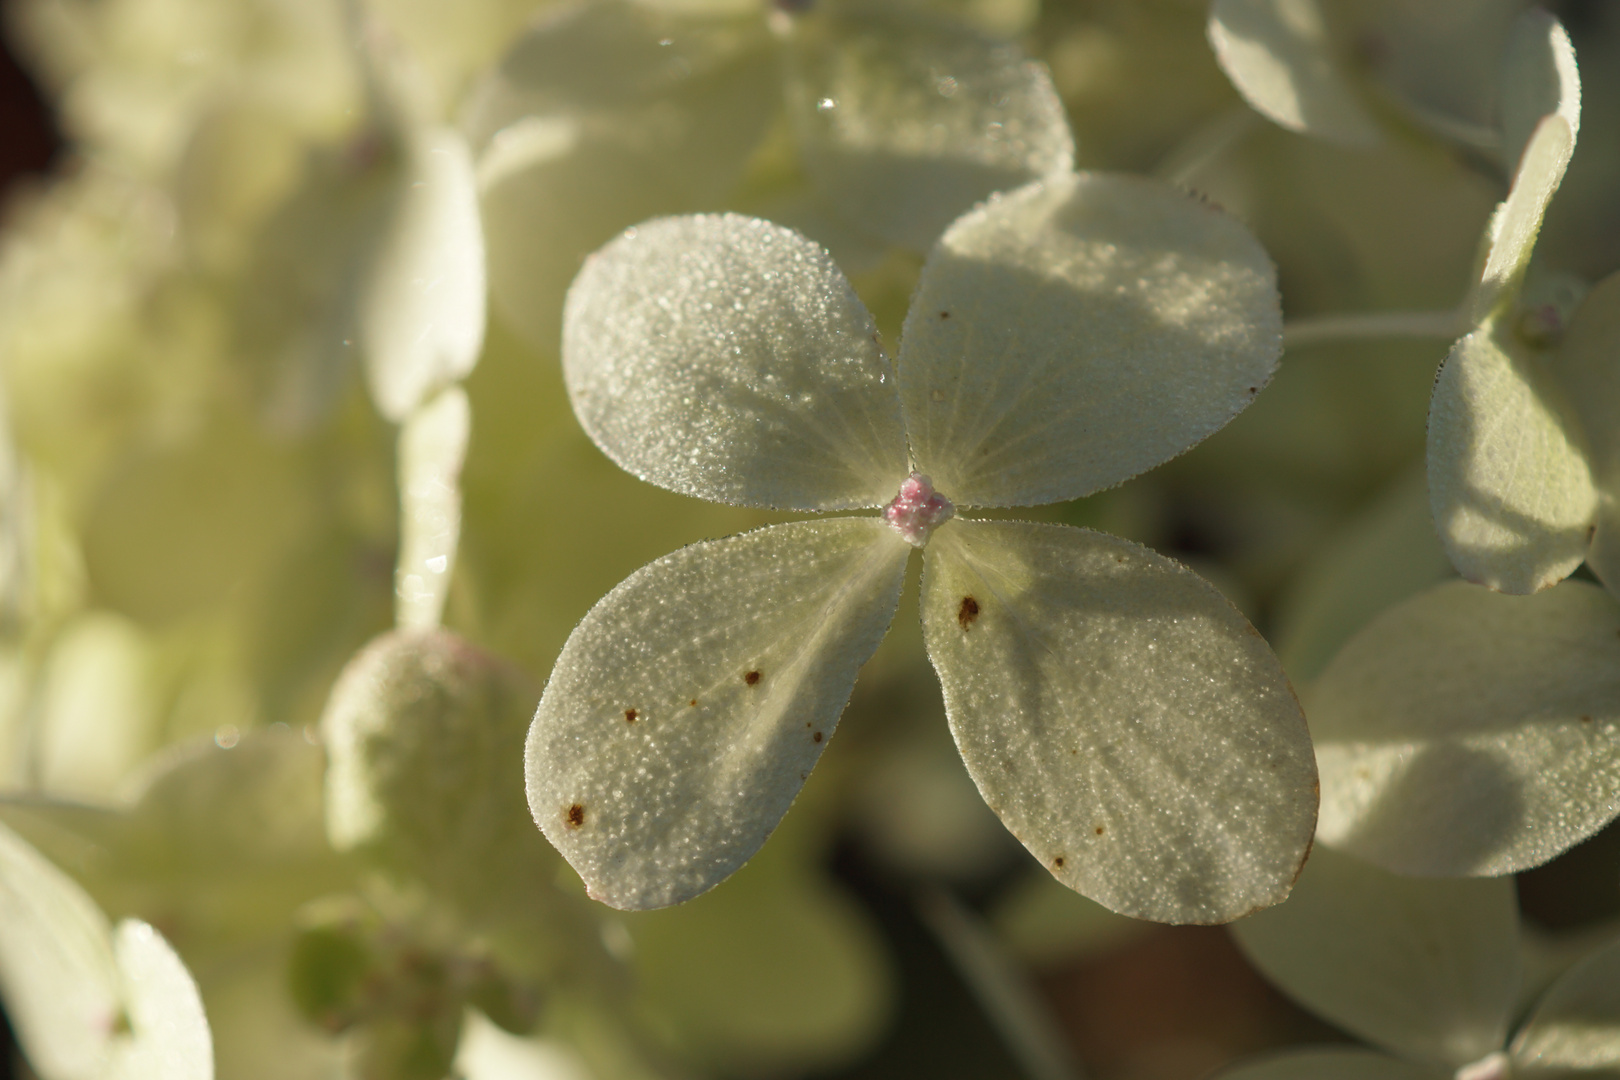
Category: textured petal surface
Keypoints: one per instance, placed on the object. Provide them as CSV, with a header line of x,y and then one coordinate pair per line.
x,y
1539,78
1576,1026
1277,54
1465,732
906,120
1331,1064
1080,331
1509,483
1517,221
728,358
689,706
607,113
432,446
1426,969
57,970
422,306
171,1038
1125,722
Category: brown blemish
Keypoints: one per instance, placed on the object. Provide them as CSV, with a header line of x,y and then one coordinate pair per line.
x,y
752,678
967,612
1119,558
1057,863
1591,531
575,816
1098,830
1254,389
692,703
1586,719
816,736
630,716
944,314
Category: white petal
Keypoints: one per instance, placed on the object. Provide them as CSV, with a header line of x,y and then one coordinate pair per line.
x,y
1509,483
1331,1064
607,113
1517,222
57,971
1466,732
1277,54
906,121
432,446
488,1053
728,358
1539,78
1576,1025
422,305
1423,968
1080,331
170,1033
1125,722
690,704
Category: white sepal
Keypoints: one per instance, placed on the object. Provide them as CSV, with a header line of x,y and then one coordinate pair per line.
x,y
432,447
690,704
1126,723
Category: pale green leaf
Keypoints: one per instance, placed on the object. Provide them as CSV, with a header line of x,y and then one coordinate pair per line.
x,y
1427,969
603,115
906,119
170,1038
1517,222
1539,78
1466,732
58,975
422,307
728,358
432,446
1079,331
1277,54
1124,720
1509,483
1330,1064
1576,1026
690,704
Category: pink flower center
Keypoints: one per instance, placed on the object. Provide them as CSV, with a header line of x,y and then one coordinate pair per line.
x,y
918,509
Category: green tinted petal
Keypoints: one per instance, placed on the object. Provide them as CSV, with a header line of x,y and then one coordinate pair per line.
x,y
1079,331
1126,723
906,120
1509,483
1426,969
422,305
1517,222
728,358
1576,1026
1330,1064
57,970
1539,78
690,704
1466,732
1277,53
432,446
603,115
170,1038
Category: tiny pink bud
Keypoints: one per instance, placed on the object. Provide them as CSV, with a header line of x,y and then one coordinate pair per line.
x,y
918,509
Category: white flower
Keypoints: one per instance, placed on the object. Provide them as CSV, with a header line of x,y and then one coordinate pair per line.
x,y
1125,722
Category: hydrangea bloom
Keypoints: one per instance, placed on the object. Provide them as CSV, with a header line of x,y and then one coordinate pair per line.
x,y
1125,722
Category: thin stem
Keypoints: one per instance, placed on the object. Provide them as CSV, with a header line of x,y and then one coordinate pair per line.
x,y
1363,326
1001,987
1195,153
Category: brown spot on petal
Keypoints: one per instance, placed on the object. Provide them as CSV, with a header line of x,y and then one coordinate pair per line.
x,y
575,816
967,612
944,314
1586,719
1057,863
816,736
1098,830
630,716
692,703
752,678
